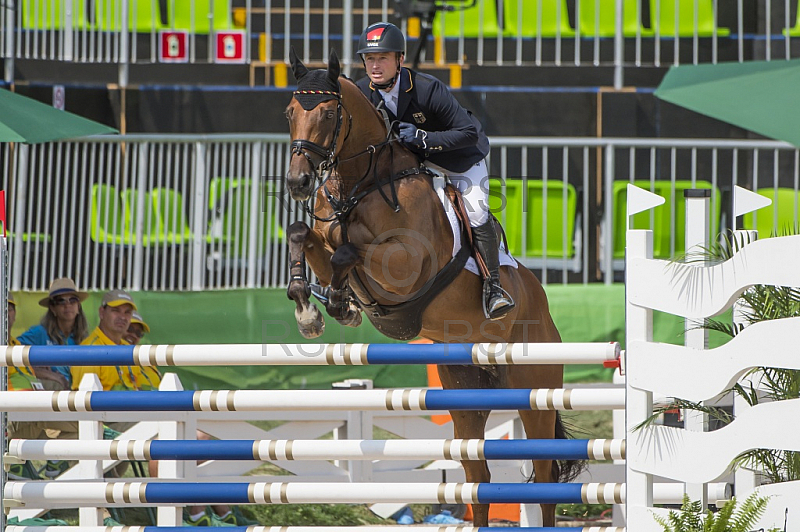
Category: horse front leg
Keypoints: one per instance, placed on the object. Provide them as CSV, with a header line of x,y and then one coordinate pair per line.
x,y
339,305
309,319
469,425
540,424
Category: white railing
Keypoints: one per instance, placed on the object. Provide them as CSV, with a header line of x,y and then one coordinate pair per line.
x,y
508,32
178,212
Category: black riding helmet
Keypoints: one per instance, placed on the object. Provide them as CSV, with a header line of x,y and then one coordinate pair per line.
x,y
382,37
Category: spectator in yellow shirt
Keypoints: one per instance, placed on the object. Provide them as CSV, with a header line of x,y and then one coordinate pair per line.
x,y
136,330
116,312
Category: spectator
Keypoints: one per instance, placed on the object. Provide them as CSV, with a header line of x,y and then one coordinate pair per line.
x,y
116,312
19,378
24,379
136,330
63,324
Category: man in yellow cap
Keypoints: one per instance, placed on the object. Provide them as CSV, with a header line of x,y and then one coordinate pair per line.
x,y
116,313
136,330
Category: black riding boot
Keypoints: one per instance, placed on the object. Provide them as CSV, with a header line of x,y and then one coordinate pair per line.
x,y
496,301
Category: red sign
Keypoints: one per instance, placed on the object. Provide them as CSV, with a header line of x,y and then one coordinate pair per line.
x,y
229,46
172,46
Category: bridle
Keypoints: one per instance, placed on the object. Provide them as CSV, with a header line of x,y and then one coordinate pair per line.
x,y
327,156
329,160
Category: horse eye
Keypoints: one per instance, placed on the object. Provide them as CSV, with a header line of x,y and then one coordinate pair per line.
x,y
330,114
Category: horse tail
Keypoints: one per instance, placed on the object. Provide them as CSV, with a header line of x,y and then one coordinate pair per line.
x,y
566,470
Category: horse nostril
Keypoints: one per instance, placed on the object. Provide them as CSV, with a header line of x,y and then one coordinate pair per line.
x,y
304,180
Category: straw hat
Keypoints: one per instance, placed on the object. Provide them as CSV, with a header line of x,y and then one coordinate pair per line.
x,y
60,287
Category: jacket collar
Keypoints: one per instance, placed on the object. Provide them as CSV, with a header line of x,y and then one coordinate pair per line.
x,y
406,86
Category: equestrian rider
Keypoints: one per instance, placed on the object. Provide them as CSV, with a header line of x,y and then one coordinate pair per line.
x,y
433,125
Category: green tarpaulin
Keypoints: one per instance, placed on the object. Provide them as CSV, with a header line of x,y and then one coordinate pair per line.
x,y
762,96
23,119
591,313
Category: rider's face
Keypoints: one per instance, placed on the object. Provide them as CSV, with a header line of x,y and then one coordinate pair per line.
x,y
381,66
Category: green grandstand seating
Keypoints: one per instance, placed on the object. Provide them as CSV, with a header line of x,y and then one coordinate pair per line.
x,y
526,209
662,16
553,13
598,17
661,215
481,19
130,198
144,15
777,219
229,204
170,207
48,14
193,15
106,216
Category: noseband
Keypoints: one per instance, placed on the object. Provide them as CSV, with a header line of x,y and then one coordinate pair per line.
x,y
327,155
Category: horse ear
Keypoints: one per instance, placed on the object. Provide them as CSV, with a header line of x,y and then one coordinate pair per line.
x,y
298,68
333,67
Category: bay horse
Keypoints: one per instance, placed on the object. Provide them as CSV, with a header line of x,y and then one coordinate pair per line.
x,y
381,236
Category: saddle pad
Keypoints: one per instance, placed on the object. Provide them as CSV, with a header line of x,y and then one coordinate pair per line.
x,y
505,258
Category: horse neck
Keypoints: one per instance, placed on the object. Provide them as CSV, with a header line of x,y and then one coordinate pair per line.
x,y
366,128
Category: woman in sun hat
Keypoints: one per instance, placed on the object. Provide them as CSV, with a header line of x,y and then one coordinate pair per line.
x,y
64,323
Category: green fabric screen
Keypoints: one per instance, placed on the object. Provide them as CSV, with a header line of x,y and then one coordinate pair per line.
x,y
583,313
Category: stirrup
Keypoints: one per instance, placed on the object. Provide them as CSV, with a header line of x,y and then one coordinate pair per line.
x,y
493,292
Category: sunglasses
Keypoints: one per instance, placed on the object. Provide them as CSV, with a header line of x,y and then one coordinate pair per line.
x,y
137,333
65,301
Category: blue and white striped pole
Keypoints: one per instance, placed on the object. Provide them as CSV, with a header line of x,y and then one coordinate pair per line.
x,y
454,449
314,400
312,354
127,494
428,528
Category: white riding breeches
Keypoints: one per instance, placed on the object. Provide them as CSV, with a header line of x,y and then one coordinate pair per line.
x,y
474,187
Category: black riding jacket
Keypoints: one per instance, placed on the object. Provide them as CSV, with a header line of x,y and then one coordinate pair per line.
x,y
456,140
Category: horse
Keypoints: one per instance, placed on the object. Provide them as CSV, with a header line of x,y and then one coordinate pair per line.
x,y
381,237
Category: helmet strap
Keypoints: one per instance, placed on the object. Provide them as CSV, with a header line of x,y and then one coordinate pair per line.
x,y
391,82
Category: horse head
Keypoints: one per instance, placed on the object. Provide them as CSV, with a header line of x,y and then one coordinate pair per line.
x,y
315,125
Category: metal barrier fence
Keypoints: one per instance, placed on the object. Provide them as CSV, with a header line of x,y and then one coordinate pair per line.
x,y
616,33
182,212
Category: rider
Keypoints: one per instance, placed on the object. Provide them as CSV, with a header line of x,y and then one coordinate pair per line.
x,y
438,129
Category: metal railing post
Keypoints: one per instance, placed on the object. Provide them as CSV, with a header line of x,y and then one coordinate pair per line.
x,y
619,46
124,46
608,232
198,218
8,46
347,37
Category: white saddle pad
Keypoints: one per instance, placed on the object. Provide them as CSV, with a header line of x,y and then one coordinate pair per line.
x,y
505,257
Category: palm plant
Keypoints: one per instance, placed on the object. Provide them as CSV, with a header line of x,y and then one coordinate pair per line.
x,y
693,518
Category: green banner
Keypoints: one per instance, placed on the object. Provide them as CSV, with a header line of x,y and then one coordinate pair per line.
x,y
582,313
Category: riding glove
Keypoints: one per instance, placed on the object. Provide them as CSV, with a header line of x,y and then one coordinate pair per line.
x,y
412,136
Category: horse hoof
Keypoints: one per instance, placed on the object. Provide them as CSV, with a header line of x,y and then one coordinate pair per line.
x,y
351,319
310,322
